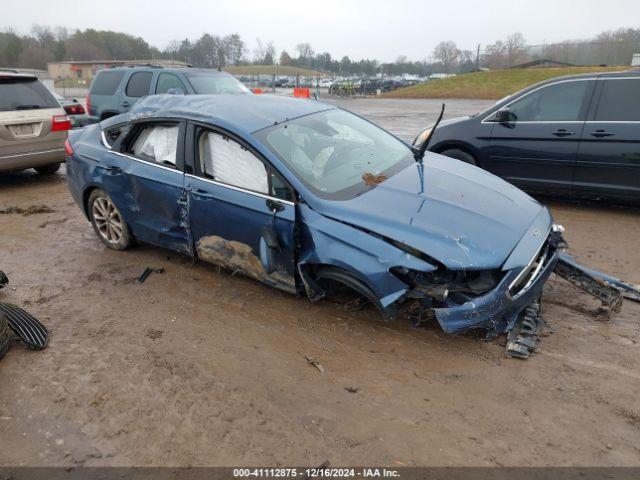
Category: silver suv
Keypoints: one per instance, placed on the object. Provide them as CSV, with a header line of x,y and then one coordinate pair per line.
x,y
33,125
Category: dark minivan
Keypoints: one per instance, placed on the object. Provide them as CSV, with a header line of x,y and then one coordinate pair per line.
x,y
576,136
115,90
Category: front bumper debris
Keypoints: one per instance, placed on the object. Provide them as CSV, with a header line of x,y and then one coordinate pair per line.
x,y
496,311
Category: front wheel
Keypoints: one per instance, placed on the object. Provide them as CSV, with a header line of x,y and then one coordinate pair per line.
x,y
460,155
107,221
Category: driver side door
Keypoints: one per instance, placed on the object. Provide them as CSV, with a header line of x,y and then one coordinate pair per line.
x,y
537,149
241,212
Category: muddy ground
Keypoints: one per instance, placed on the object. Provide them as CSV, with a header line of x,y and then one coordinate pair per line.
x,y
194,367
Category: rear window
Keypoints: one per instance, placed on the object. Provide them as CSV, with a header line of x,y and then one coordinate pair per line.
x,y
619,101
106,83
24,94
138,85
206,83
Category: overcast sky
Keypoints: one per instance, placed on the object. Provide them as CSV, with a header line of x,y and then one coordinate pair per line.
x,y
360,29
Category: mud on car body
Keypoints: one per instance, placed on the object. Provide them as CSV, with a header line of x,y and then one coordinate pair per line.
x,y
305,196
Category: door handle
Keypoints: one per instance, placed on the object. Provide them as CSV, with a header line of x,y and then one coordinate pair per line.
x,y
112,169
601,133
199,192
274,206
562,132
125,104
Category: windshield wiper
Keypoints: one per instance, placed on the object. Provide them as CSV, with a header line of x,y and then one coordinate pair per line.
x,y
423,148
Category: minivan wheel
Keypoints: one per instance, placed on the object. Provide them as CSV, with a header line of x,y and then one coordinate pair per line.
x,y
460,155
48,169
107,221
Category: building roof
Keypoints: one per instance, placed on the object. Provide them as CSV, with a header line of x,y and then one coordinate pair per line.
x,y
247,112
542,61
121,62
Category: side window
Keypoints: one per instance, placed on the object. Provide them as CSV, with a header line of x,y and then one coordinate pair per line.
x,y
156,143
106,83
138,85
115,133
167,81
226,161
559,102
619,101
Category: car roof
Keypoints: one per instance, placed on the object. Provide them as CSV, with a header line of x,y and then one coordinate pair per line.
x,y
177,68
16,74
245,111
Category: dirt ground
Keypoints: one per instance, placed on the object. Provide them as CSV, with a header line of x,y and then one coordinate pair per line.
x,y
194,367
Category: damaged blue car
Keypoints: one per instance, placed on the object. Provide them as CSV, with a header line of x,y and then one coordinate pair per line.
x,y
308,197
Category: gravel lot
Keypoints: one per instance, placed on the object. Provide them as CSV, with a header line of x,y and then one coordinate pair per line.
x,y
194,367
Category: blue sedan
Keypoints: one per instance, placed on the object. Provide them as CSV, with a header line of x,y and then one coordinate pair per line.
x,y
307,197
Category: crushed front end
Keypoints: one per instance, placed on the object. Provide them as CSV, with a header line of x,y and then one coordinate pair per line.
x,y
488,300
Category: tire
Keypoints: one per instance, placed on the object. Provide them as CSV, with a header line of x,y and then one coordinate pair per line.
x,y
5,336
107,221
48,169
460,155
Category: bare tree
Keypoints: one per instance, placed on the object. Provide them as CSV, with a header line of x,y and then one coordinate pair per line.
x,y
448,53
304,51
514,49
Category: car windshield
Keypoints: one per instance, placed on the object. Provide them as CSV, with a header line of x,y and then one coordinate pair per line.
x,y
335,153
24,93
206,83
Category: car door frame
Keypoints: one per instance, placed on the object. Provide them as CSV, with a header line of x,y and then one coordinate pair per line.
x,y
123,97
193,172
531,182
172,233
604,185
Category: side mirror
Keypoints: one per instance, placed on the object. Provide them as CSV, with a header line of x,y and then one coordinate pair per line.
x,y
504,115
175,91
421,137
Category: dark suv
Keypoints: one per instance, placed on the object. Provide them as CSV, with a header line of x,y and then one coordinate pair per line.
x,y
115,90
576,135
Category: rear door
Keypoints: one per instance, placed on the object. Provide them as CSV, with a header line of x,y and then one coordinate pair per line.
x,y
608,161
538,148
27,109
144,177
241,212
138,85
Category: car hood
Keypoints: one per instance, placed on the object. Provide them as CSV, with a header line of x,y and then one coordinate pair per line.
x,y
464,217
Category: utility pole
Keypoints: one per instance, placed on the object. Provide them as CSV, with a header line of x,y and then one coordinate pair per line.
x,y
478,59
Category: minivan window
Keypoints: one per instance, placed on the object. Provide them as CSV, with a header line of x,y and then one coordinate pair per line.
x,y
167,81
554,103
106,83
20,93
138,85
619,101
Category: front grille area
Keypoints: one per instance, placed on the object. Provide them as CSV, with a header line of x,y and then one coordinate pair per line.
x,y
530,273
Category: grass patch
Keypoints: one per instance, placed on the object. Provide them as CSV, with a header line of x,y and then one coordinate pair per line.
x,y
490,85
268,70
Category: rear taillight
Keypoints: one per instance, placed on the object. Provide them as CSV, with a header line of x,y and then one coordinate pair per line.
x,y
88,103
67,148
60,123
74,109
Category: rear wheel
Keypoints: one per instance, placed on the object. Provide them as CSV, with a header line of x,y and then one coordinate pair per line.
x,y
460,155
107,221
48,169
